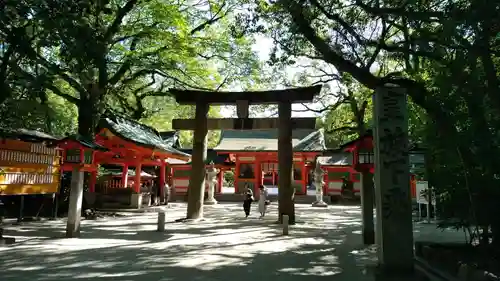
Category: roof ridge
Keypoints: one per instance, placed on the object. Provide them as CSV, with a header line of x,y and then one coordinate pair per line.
x,y
115,114
266,140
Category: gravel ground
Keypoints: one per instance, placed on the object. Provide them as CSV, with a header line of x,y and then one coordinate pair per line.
x,y
324,245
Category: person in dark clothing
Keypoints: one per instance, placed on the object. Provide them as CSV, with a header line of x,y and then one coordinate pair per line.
x,y
247,203
347,188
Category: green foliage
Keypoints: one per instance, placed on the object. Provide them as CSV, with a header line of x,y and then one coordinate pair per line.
x,y
122,55
446,55
228,178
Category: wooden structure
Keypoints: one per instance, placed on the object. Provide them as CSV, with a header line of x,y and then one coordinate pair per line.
x,y
132,144
284,122
256,156
181,172
114,179
123,142
354,156
28,163
337,166
79,153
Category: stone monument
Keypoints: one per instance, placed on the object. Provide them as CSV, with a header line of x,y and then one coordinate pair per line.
x,y
394,227
212,180
318,183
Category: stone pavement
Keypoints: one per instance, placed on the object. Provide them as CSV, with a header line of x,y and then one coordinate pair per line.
x,y
324,245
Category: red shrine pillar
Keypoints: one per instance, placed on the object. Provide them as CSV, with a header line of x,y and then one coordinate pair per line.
x,y
125,176
236,177
136,196
258,176
92,181
304,175
137,178
162,182
220,180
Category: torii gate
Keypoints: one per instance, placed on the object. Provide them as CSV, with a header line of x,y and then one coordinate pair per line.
x,y
285,124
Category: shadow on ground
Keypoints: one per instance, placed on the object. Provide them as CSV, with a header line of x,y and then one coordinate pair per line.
x,y
325,244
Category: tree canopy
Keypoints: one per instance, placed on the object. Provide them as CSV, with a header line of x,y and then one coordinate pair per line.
x,y
62,65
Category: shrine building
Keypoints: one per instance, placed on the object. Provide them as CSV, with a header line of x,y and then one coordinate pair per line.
x,y
348,160
121,143
255,157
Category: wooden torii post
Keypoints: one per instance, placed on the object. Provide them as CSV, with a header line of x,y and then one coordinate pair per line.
x,y
285,124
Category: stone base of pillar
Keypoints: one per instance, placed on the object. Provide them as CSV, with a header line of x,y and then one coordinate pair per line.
x,y
210,202
136,200
321,204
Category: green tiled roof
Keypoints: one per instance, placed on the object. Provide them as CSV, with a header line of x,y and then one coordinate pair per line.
x,y
84,142
26,135
137,133
337,159
212,157
267,140
315,141
171,138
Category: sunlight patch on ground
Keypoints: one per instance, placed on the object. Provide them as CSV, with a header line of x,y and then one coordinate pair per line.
x,y
224,246
315,271
74,244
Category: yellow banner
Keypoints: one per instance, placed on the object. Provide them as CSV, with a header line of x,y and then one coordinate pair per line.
x,y
23,189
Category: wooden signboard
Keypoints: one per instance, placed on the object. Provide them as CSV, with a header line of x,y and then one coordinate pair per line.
x,y
28,168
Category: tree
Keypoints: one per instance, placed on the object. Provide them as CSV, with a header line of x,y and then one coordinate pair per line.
x,y
447,60
106,51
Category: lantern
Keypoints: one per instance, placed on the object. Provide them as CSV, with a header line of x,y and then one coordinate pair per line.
x,y
366,158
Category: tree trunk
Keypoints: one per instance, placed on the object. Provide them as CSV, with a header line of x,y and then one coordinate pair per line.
x,y
88,115
286,191
196,189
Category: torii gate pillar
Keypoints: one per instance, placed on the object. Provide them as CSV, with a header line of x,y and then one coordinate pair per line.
x,y
285,124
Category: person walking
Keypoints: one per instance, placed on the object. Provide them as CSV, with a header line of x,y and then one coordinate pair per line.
x,y
263,202
247,202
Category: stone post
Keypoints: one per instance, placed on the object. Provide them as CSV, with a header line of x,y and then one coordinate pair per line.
x,y
75,204
392,185
318,183
285,225
212,180
161,221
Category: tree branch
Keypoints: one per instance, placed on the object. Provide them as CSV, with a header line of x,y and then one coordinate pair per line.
x,y
215,18
343,65
120,15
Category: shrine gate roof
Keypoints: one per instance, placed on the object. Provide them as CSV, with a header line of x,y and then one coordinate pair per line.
x,y
304,140
137,133
304,94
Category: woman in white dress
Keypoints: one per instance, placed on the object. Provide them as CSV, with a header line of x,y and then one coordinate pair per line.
x,y
263,202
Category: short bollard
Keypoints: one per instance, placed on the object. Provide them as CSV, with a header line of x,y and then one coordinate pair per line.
x,y
285,225
161,221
